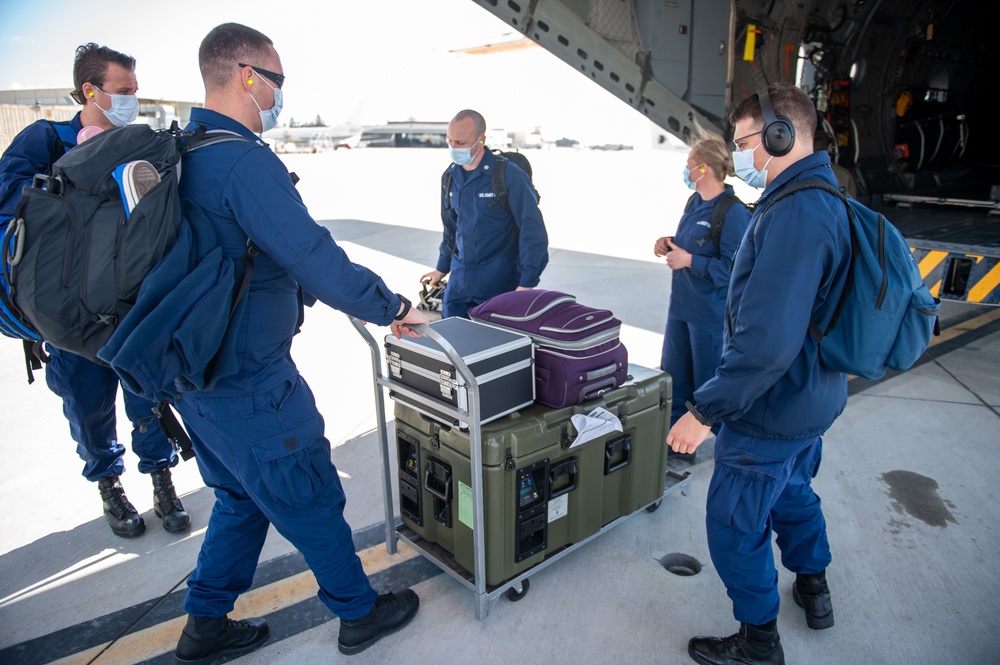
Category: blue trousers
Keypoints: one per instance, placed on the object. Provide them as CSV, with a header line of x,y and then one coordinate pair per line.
x,y
457,307
268,462
760,486
88,391
690,355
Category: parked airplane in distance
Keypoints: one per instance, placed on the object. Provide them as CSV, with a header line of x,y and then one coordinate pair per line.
x,y
318,138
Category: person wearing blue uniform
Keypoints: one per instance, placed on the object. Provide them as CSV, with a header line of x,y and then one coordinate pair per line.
x,y
105,85
701,258
487,249
771,393
258,436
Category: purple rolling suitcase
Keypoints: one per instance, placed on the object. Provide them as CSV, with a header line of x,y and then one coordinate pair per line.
x,y
578,354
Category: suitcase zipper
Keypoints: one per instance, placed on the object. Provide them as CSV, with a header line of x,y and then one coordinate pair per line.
x,y
542,349
566,327
558,301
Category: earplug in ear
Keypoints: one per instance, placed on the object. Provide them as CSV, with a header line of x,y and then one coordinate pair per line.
x,y
90,94
249,81
703,169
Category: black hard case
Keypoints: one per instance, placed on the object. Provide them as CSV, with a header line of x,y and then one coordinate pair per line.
x,y
501,361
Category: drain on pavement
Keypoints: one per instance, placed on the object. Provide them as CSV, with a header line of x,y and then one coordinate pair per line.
x,y
681,564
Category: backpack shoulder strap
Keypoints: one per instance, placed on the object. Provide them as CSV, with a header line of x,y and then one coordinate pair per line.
x,y
499,180
202,138
65,139
446,187
855,246
718,220
799,186
66,133
690,203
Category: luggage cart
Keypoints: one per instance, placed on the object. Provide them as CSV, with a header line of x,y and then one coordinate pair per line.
x,y
486,596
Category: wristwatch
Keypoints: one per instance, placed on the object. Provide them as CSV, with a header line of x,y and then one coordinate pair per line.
x,y
406,308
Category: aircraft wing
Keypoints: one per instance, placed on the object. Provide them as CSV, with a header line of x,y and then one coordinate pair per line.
x,y
641,51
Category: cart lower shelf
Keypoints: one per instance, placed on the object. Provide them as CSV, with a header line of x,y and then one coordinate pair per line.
x,y
516,587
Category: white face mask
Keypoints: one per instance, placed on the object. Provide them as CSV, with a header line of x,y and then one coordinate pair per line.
x,y
269,118
746,171
124,108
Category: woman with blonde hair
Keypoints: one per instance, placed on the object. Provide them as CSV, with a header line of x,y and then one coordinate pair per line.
x,y
700,255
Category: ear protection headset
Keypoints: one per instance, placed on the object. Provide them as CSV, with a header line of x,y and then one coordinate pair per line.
x,y
778,135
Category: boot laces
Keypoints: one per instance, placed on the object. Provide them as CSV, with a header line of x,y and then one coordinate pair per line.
x,y
115,495
236,625
386,601
733,644
166,495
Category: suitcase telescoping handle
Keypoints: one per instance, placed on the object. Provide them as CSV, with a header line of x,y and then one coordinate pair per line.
x,y
607,370
609,382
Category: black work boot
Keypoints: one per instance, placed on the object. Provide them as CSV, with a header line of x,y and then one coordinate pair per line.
x,y
166,505
207,638
124,519
752,645
390,613
811,593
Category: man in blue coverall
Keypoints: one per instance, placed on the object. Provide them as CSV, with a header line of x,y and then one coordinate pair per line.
x,y
105,85
486,248
258,435
771,393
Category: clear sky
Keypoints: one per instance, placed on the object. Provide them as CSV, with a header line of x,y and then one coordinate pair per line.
x,y
375,60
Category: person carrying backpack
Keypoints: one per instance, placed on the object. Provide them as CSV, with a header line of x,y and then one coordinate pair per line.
x,y
105,85
700,256
773,396
493,242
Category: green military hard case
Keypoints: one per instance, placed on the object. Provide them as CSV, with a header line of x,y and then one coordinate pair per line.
x,y
541,493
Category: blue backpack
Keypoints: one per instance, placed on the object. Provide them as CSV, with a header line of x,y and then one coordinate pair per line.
x,y
886,315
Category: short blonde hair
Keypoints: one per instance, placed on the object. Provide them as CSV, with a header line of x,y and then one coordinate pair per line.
x,y
714,153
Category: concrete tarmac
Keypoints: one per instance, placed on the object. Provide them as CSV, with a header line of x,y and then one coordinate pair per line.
x,y
907,482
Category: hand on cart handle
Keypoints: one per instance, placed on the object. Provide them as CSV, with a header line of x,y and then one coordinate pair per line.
x,y
407,326
432,278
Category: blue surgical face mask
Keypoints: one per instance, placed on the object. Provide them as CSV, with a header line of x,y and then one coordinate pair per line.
x,y
461,156
746,171
124,109
691,184
269,118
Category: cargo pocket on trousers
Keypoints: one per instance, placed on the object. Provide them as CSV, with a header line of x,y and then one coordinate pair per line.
x,y
295,467
744,487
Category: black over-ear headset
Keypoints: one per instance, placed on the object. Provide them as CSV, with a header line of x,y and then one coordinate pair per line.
x,y
778,135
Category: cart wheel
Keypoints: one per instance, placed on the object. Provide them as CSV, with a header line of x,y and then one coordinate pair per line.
x,y
513,595
653,507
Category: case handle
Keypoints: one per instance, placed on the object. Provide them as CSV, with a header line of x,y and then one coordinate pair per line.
x,y
620,444
564,467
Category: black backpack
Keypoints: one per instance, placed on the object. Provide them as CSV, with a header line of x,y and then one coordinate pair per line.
x,y
72,259
498,178
722,206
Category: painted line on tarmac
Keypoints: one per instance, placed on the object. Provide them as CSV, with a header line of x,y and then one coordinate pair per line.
x,y
284,593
